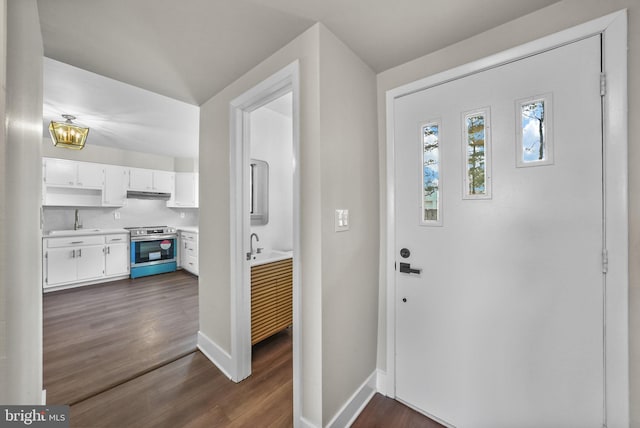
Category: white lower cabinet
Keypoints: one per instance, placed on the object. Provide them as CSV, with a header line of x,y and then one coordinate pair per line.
x,y
116,255
90,262
60,266
189,251
78,260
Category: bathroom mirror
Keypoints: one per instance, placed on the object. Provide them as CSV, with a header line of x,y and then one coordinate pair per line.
x,y
259,192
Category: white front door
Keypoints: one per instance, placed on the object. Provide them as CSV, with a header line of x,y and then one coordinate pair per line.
x,y
503,326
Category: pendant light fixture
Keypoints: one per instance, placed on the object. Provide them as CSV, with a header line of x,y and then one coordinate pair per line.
x,y
67,134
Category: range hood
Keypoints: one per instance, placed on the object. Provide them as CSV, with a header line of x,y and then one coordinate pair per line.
x,y
139,194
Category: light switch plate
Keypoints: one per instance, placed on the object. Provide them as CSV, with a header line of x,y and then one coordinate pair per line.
x,y
342,220
116,215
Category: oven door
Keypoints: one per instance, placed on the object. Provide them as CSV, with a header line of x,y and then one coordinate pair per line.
x,y
152,250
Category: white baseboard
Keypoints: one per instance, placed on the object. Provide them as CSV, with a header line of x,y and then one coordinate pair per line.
x,y
304,423
381,382
215,354
354,405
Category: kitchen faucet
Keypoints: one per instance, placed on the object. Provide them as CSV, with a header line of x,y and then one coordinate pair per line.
x,y
76,224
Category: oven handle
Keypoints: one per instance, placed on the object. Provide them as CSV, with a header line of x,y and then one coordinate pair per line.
x,y
153,237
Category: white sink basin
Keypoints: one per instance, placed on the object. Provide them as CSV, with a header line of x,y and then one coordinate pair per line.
x,y
270,256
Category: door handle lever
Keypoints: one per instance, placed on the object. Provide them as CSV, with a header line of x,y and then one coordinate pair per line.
x,y
406,268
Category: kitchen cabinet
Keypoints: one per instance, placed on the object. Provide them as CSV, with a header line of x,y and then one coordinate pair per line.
x,y
84,259
189,251
90,175
68,173
140,179
148,180
186,190
271,299
115,186
72,259
87,184
116,259
163,181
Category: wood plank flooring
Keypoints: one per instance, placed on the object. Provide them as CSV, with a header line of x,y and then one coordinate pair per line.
x,y
98,336
191,392
123,355
384,412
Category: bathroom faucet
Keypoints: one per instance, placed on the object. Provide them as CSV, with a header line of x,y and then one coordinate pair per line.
x,y
76,224
251,243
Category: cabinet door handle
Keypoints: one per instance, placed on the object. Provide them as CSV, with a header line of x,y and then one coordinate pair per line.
x,y
77,242
73,254
108,250
80,253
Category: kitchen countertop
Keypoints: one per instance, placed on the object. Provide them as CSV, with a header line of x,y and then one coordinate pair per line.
x,y
82,232
193,229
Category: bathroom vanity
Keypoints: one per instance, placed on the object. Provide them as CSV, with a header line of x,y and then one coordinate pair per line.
x,y
271,298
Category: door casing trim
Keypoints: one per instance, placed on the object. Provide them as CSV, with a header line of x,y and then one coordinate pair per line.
x,y
285,80
613,28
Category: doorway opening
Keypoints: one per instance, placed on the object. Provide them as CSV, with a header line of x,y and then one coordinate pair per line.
x,y
265,216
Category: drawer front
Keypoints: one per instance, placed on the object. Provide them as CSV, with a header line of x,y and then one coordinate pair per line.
x,y
190,263
114,239
188,236
74,241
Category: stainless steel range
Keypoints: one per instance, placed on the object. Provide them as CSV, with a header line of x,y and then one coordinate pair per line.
x,y
153,250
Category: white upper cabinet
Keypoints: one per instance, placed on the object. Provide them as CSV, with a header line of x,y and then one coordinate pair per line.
x,y
148,180
59,172
62,172
71,183
186,190
74,183
141,179
115,186
90,175
163,181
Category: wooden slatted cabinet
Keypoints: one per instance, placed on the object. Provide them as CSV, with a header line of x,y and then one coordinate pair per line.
x,y
271,299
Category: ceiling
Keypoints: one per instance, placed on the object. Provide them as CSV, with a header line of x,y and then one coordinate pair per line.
x,y
119,115
189,50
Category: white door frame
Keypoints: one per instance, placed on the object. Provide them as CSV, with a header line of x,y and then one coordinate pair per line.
x,y
283,81
613,27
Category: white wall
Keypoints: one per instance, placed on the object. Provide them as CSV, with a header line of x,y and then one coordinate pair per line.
x,y
338,168
22,175
137,212
272,142
113,156
349,259
214,242
552,19
3,149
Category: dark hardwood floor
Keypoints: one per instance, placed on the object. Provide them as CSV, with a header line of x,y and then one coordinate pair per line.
x,y
191,392
384,412
98,336
123,355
